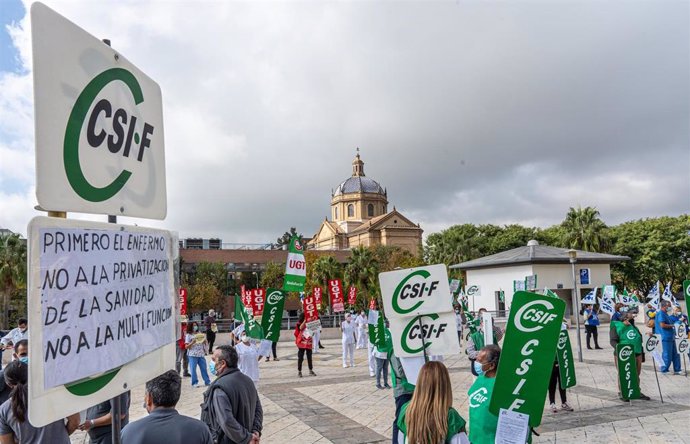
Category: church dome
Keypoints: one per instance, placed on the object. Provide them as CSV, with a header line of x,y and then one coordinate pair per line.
x,y
358,183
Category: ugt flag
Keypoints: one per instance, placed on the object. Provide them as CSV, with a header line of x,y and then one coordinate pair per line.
x,y
295,267
252,327
591,297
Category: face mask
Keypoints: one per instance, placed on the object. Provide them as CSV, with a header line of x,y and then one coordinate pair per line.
x,y
195,328
669,310
212,368
24,359
478,368
22,330
245,339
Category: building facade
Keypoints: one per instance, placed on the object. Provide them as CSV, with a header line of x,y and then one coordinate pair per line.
x,y
360,216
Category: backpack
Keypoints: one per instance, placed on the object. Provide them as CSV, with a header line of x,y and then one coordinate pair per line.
x,y
207,417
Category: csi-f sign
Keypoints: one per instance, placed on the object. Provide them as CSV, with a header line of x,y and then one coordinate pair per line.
x,y
433,334
99,125
412,291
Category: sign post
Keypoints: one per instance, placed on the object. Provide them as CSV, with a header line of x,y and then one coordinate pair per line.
x,y
529,347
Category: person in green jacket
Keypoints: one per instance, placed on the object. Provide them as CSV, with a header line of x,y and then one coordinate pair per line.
x,y
429,418
625,332
483,423
402,389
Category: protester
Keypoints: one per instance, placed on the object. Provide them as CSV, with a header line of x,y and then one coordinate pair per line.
x,y
617,316
650,314
304,343
248,358
99,419
232,402
15,335
625,332
680,318
181,358
14,414
381,355
554,382
429,417
362,323
459,322
347,327
664,327
476,340
164,425
591,326
211,329
483,423
402,389
195,343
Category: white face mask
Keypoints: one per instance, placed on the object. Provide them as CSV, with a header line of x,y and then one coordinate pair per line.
x,y
245,339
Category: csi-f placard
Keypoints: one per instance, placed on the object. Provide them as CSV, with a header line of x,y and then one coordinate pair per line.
x,y
415,291
430,334
99,125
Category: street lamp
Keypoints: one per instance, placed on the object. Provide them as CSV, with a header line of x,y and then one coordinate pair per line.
x,y
257,278
572,254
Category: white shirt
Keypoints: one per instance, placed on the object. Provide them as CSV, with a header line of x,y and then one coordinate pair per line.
x,y
348,332
248,361
15,335
361,322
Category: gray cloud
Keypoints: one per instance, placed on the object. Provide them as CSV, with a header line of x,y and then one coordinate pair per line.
x,y
466,111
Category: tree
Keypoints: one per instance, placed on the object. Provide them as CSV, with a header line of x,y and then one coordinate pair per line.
x,y
323,269
12,270
659,249
362,271
207,285
453,245
584,230
273,275
285,239
390,257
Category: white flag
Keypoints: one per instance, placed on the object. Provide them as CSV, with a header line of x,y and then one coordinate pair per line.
x,y
591,297
654,296
606,307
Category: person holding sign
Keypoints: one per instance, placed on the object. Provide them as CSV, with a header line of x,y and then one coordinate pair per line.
x,y
14,413
664,327
304,343
554,382
429,418
348,330
362,325
476,341
381,355
483,423
591,326
196,350
248,358
624,332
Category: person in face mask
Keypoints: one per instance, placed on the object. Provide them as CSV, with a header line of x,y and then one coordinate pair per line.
x,y
664,327
15,335
21,353
248,358
483,423
196,345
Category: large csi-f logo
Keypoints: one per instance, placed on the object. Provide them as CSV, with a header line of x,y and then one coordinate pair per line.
x,y
412,290
534,315
112,128
422,333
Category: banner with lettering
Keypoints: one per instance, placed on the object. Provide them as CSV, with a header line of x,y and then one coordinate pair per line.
x,y
273,316
295,267
318,296
566,363
311,314
252,327
258,300
352,295
372,304
627,372
335,289
246,297
526,362
183,305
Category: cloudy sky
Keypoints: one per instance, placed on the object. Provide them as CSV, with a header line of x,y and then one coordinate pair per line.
x,y
467,111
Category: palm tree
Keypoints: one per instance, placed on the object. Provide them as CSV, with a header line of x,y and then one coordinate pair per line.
x,y
12,270
325,268
584,230
362,271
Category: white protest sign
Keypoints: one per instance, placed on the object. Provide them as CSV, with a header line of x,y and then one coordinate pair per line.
x,y
651,343
682,345
454,285
102,305
531,282
415,291
474,290
680,330
433,334
99,125
512,428
487,322
518,286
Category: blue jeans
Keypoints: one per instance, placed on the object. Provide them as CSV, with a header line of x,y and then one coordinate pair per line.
x,y
200,361
399,402
670,354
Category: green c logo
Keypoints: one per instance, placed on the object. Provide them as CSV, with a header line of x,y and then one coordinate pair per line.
x,y
406,334
75,175
396,306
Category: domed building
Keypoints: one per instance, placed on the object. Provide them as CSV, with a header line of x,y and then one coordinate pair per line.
x,y
360,216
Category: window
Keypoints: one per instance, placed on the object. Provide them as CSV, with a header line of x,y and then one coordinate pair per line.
x,y
335,214
370,210
350,210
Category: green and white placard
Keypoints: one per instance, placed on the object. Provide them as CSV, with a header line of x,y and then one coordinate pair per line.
x,y
273,314
295,267
566,364
627,372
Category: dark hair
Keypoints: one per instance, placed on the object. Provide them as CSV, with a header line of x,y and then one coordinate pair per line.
x,y
16,376
22,321
493,354
228,354
301,319
190,327
22,343
165,389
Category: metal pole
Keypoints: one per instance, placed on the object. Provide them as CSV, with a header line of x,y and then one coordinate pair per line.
x,y
657,379
576,304
426,358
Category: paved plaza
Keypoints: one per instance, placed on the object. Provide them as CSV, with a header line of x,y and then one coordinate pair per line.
x,y
342,405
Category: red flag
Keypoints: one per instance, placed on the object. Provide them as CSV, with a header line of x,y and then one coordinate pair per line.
x,y
258,296
372,304
310,311
183,301
317,297
246,297
352,295
335,288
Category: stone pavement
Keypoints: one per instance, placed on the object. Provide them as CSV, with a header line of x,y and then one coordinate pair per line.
x,y
342,405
